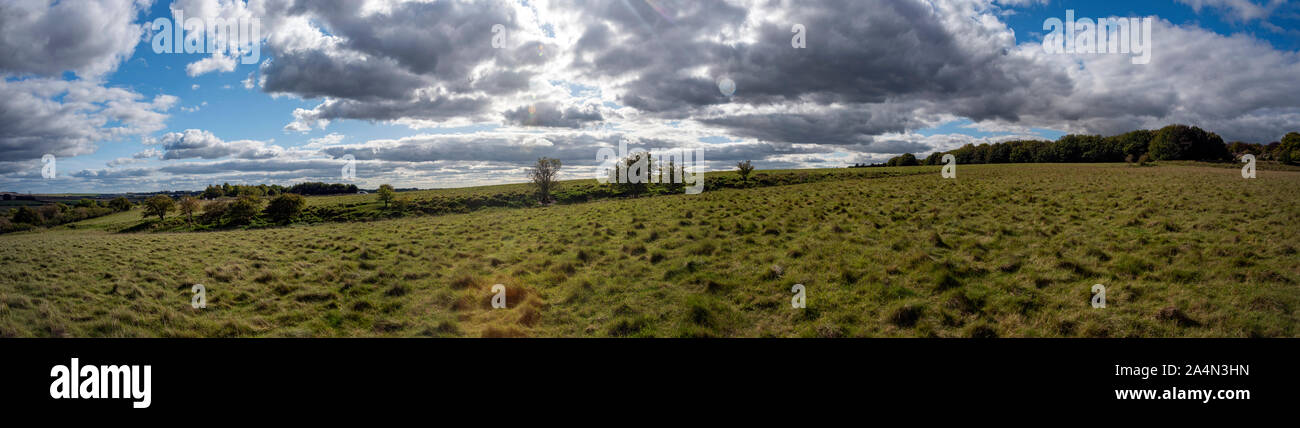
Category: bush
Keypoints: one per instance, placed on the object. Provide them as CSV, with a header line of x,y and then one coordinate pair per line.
x,y
286,207
244,209
120,204
27,215
214,211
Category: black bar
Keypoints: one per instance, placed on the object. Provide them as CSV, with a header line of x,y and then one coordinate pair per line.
x,y
418,375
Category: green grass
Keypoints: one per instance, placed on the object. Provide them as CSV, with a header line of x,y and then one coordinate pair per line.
x,y
1003,250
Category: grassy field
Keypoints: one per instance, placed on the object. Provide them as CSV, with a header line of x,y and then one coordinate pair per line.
x,y
1003,250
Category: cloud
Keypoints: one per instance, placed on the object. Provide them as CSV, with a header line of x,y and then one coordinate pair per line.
x,y
217,62
1240,10
68,118
549,114
87,37
197,143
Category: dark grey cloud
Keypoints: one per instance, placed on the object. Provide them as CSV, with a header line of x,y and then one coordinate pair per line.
x,y
314,74
834,127
547,114
417,61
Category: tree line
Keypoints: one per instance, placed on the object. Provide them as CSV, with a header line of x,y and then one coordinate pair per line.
x,y
260,190
1174,142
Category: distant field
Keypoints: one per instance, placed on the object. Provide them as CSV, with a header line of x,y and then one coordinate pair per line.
x,y
1003,250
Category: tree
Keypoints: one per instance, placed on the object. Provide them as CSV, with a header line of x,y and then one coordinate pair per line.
x,y
1289,150
744,168
189,205
158,205
120,204
244,209
908,159
27,215
543,177
386,194
286,206
1182,142
213,192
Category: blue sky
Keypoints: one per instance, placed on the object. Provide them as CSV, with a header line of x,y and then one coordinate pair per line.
x,y
569,83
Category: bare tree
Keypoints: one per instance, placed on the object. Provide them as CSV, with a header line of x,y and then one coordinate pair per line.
x,y
543,176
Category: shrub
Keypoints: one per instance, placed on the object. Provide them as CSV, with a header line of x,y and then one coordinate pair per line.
x,y
244,209
27,215
120,204
286,207
214,211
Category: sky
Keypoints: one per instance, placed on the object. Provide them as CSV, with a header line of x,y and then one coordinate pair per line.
x,y
434,94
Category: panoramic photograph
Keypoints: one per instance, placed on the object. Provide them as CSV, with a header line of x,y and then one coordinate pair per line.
x,y
672,169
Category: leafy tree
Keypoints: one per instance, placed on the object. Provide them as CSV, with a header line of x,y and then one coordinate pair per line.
x,y
213,192
27,215
244,209
1179,142
119,204
189,205
1289,150
286,206
159,205
744,168
906,159
543,177
386,194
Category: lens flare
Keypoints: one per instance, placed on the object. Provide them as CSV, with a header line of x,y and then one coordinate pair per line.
x,y
727,86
